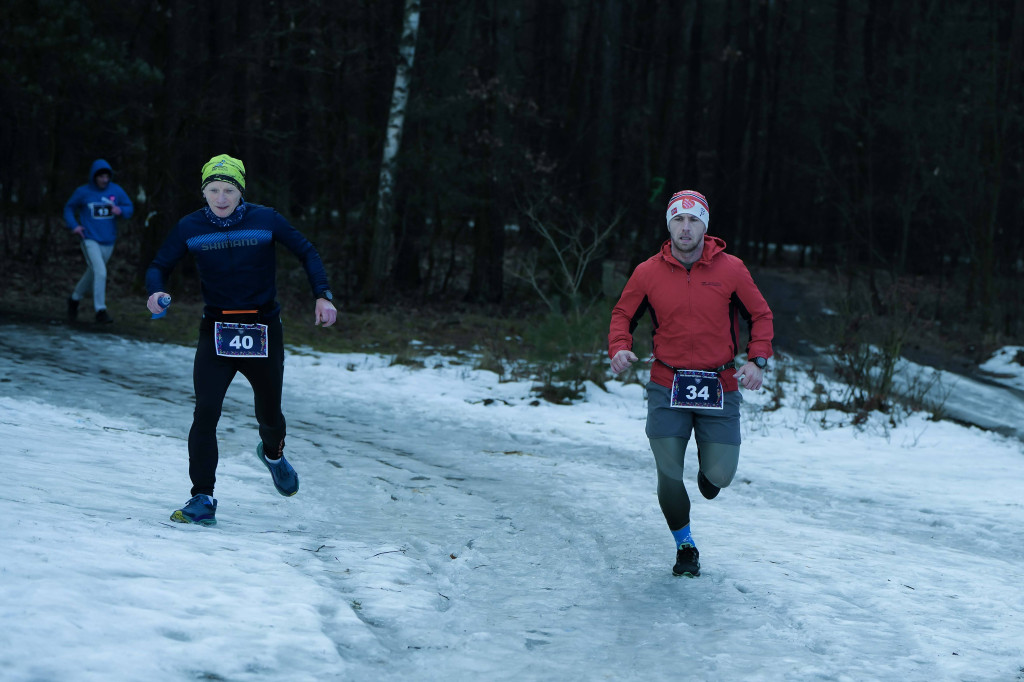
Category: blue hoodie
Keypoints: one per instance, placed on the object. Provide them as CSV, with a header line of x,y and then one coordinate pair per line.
x,y
91,208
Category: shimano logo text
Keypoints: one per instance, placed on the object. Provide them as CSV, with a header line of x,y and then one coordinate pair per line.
x,y
228,243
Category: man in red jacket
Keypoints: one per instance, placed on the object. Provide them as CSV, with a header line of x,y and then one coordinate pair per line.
x,y
696,294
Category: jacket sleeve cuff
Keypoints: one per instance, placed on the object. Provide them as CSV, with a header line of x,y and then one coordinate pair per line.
x,y
612,352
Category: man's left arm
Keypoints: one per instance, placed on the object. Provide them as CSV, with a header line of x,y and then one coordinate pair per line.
x,y
124,208
325,313
754,309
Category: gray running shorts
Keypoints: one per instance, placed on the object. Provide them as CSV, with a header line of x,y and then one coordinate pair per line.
x,y
708,426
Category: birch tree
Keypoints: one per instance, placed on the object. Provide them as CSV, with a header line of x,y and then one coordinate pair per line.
x,y
380,248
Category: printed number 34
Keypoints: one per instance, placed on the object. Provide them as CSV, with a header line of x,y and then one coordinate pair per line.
x,y
692,393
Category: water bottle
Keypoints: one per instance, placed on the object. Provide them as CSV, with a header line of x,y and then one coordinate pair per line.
x,y
164,302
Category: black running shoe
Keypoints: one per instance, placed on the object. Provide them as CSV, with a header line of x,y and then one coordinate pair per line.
x,y
708,489
103,317
72,309
687,561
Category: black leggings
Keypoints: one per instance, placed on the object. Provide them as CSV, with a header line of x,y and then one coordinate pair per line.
x,y
211,376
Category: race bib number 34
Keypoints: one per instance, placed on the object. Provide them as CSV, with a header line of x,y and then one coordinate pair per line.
x,y
696,389
240,340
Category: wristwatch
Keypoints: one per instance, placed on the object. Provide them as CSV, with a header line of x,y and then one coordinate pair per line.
x,y
326,294
760,362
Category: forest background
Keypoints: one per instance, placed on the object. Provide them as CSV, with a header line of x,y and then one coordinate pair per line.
x,y
514,157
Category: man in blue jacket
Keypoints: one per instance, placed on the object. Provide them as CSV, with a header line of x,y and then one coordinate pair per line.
x,y
91,214
233,243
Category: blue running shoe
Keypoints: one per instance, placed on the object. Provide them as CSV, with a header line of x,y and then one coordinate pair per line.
x,y
285,479
201,509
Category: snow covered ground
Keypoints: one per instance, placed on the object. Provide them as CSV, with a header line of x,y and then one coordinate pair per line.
x,y
449,527
973,400
1006,366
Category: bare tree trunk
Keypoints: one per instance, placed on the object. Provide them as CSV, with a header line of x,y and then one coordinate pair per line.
x,y
250,102
167,173
996,140
835,220
486,280
607,115
692,128
380,247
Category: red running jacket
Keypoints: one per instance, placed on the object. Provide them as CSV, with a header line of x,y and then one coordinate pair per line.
x,y
696,314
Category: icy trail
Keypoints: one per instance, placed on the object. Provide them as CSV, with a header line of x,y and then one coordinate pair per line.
x,y
447,529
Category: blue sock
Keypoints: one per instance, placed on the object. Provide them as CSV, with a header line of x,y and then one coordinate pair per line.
x,y
683,536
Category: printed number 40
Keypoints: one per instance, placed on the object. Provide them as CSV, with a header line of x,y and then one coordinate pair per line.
x,y
692,393
245,342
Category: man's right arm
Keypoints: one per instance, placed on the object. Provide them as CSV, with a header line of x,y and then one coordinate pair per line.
x,y
630,308
172,251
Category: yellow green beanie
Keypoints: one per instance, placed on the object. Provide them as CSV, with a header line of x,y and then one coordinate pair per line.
x,y
226,169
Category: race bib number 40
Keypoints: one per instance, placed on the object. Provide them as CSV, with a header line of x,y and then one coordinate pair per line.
x,y
696,389
240,340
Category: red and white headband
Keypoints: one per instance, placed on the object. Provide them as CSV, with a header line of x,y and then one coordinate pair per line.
x,y
690,202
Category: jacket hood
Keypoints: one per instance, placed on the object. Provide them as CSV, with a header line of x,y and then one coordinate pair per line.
x,y
97,166
712,247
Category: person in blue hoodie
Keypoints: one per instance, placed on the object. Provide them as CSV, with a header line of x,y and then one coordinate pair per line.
x,y
91,214
234,245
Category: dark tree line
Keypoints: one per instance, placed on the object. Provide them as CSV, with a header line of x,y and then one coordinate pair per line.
x,y
874,134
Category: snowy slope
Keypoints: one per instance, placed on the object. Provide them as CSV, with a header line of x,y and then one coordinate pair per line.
x,y
449,529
